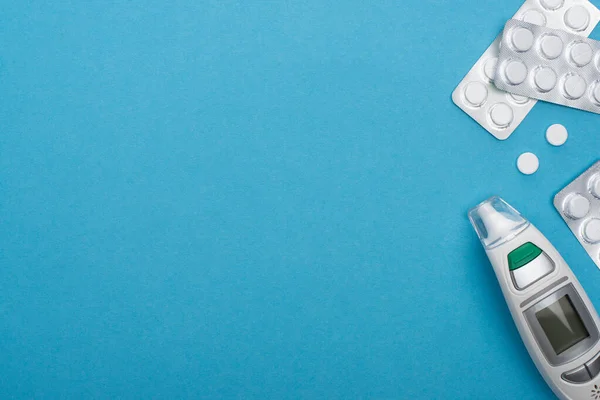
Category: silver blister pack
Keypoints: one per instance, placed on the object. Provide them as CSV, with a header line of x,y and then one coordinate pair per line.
x,y
549,64
579,205
497,111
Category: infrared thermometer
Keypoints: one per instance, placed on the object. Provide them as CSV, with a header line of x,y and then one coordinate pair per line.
x,y
553,314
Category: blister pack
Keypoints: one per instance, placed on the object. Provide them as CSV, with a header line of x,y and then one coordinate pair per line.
x,y
499,112
550,65
579,205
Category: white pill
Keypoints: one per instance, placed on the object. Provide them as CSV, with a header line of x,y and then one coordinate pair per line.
x,y
501,115
489,69
528,163
594,186
552,4
591,231
557,135
577,18
515,72
519,99
545,79
476,93
522,39
581,54
577,206
596,93
534,17
574,86
551,46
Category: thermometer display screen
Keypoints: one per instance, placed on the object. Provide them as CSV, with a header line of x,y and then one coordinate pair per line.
x,y
562,324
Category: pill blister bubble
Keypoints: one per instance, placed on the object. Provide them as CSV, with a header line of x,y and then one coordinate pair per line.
x,y
581,54
594,185
501,115
476,94
577,18
534,17
489,69
522,39
574,86
577,206
545,79
591,231
515,72
551,46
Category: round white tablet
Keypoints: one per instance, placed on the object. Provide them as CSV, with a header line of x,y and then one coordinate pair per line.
x,y
534,17
557,135
552,4
551,46
545,79
501,115
596,93
522,39
581,54
489,68
591,231
476,93
577,206
574,86
594,186
528,163
515,72
577,18
519,99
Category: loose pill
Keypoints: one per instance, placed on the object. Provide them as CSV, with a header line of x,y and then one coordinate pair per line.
x,y
557,135
528,163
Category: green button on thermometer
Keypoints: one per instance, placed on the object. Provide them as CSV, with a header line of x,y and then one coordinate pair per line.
x,y
553,314
523,255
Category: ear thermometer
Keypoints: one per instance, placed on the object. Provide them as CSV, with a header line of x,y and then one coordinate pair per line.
x,y
553,314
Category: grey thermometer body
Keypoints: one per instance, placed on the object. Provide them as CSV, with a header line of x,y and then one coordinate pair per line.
x,y
557,321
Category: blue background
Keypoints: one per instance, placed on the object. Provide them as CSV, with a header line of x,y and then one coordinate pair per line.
x,y
227,199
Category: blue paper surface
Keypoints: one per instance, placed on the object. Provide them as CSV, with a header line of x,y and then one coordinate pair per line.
x,y
261,200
